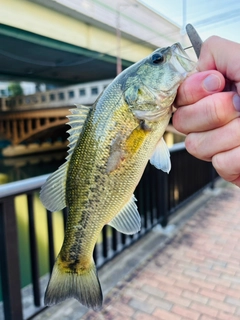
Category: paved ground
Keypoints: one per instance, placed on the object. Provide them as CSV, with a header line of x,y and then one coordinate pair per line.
x,y
194,273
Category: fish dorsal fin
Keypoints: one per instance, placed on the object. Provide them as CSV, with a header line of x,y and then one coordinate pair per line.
x,y
53,192
161,157
76,122
128,220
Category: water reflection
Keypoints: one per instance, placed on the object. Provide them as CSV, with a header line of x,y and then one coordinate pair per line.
x,y
19,168
23,167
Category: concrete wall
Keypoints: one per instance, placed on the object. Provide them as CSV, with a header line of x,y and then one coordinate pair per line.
x,y
92,24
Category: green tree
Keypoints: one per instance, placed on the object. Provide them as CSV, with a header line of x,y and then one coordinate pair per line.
x,y
15,89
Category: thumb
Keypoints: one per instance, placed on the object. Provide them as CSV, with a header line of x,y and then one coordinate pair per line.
x,y
198,86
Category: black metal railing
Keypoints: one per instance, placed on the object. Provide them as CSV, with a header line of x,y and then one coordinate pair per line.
x,y
159,196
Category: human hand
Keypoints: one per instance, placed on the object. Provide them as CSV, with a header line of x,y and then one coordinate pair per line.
x,y
209,116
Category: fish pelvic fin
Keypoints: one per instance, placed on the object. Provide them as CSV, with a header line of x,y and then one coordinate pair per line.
x,y
83,285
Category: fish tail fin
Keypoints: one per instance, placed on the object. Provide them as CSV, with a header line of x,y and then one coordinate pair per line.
x,y
83,285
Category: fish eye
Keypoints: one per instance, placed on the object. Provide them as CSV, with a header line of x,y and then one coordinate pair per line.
x,y
157,58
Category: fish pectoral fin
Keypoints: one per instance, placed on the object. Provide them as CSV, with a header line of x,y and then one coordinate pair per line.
x,y
53,193
128,220
161,157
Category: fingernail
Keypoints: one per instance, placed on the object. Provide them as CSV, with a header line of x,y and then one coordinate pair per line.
x,y
212,83
236,102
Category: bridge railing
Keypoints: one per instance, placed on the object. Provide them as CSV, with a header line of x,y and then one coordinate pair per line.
x,y
159,196
85,93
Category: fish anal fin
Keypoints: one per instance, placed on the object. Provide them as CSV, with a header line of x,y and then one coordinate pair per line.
x,y
84,286
161,157
128,220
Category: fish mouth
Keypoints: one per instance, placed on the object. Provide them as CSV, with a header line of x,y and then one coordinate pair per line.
x,y
181,61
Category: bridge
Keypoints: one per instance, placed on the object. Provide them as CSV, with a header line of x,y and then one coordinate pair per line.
x,y
42,117
67,42
78,48
85,93
31,125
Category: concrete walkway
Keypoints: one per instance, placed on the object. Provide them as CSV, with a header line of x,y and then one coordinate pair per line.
x,y
192,272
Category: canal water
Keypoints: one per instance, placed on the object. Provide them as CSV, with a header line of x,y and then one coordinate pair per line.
x,y
19,168
23,167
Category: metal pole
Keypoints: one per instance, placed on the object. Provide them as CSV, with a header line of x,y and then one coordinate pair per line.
x,y
10,275
184,16
118,34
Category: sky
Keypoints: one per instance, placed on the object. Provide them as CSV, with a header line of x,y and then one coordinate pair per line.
x,y
209,17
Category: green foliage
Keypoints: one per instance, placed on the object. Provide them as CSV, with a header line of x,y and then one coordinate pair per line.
x,y
15,89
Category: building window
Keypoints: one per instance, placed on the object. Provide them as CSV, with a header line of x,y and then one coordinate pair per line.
x,y
70,94
61,96
43,98
94,90
3,92
27,100
82,92
52,97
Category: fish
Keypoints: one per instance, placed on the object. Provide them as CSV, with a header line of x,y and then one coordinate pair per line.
x,y
110,144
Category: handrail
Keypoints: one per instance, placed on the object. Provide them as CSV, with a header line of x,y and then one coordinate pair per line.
x,y
17,187
159,196
22,186
177,147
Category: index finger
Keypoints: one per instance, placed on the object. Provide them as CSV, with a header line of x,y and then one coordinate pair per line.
x,y
222,55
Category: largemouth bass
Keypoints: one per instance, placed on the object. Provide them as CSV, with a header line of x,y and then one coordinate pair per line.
x,y
110,144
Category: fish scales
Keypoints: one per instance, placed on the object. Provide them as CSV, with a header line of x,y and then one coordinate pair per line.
x,y
89,161
110,145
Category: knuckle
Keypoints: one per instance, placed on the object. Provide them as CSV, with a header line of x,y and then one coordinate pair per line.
x,y
177,121
188,90
191,144
235,131
197,145
187,95
218,163
210,42
237,126
232,133
217,114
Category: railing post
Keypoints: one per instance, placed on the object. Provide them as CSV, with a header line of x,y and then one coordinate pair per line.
x,y
51,253
213,176
34,252
9,261
164,196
